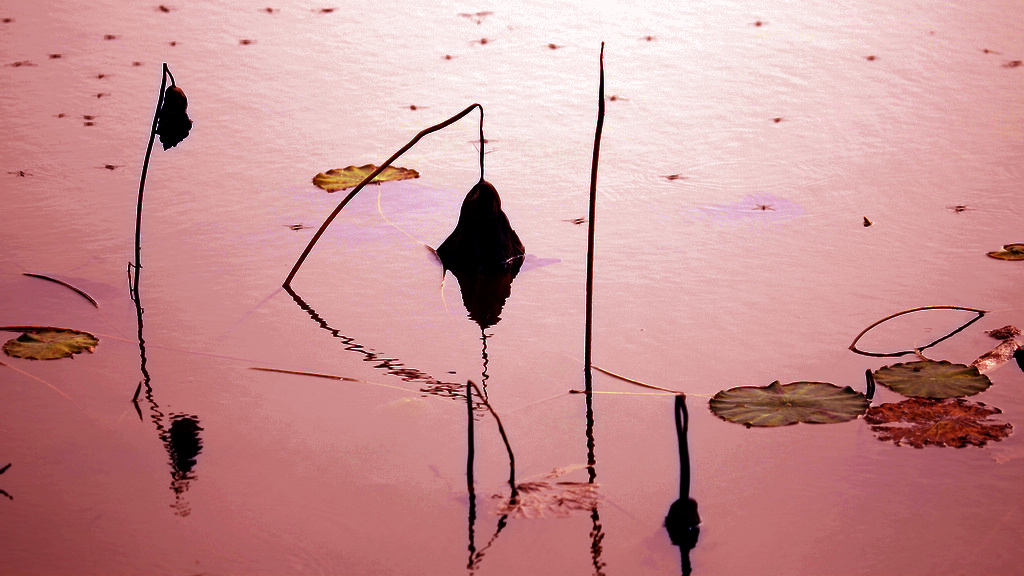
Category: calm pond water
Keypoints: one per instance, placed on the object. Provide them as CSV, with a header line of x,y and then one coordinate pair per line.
x,y
744,145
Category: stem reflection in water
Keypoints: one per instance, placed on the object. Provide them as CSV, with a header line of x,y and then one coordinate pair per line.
x,y
683,521
179,433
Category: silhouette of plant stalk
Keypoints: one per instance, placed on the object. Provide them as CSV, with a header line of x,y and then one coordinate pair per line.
x,y
133,269
368,179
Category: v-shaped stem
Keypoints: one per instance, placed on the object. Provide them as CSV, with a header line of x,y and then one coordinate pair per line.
x,y
368,179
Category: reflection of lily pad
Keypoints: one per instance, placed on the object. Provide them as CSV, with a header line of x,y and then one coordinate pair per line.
x,y
50,344
931,379
351,176
921,421
782,405
1009,252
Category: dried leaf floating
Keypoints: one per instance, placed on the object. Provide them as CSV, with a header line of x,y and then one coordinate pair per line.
x,y
50,343
932,379
351,176
920,422
1009,252
173,123
783,405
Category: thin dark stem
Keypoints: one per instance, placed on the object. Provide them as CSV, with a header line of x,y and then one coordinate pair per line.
x,y
504,438
368,179
593,210
854,348
469,475
134,278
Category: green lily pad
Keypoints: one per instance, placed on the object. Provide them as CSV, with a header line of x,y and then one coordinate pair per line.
x,y
782,405
932,379
351,176
50,344
1009,252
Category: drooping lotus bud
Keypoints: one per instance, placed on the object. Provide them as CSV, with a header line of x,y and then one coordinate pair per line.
x,y
173,123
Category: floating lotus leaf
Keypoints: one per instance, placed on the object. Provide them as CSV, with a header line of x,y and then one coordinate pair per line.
x,y
342,178
50,344
1009,252
931,379
920,422
782,405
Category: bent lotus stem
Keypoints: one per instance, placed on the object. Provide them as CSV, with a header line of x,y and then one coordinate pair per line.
x,y
853,346
133,277
368,179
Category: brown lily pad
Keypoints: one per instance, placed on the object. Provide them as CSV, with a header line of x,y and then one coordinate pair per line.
x,y
921,422
1009,252
350,176
50,344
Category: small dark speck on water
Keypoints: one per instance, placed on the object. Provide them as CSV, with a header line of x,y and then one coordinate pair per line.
x,y
867,222
55,56
110,37
649,38
448,57
21,63
554,46
163,8
576,221
101,76
173,43
1013,64
88,117
871,58
246,41
671,177
8,20
136,63
61,115
102,94
759,23
88,123
20,173
269,10
777,119
614,98
987,51
326,10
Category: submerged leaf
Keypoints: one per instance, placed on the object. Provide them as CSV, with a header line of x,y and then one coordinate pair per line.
x,y
542,499
173,123
932,379
920,422
782,405
1009,252
350,176
50,344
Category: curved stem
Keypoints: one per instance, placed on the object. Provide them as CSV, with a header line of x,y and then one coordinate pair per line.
x,y
854,348
368,179
134,284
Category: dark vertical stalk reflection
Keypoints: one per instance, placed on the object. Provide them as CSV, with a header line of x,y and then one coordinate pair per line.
x,y
597,530
683,521
476,556
484,360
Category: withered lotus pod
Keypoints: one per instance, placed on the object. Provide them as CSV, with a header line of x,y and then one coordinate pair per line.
x,y
173,123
